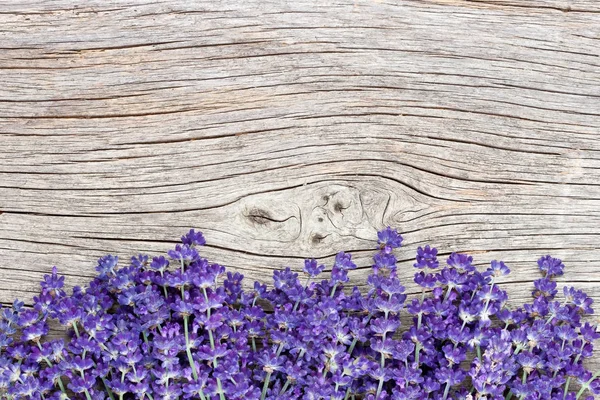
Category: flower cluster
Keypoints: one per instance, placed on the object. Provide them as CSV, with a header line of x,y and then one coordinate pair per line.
x,y
181,327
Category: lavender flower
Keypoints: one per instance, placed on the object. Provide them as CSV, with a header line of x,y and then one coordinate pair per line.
x,y
389,239
149,331
426,257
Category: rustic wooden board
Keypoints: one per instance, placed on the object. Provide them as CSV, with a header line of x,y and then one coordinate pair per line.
x,y
286,130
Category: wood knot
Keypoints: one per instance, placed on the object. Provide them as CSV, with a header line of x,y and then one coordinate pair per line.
x,y
317,238
259,217
338,207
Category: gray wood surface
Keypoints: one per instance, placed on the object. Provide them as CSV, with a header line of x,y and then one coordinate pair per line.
x,y
286,130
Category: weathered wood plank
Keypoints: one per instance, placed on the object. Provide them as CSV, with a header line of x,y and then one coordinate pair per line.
x,y
296,130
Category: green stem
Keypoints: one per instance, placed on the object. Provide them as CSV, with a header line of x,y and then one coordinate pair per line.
x,y
210,335
382,363
419,319
62,386
212,342
567,383
337,385
586,385
87,394
382,360
446,390
448,291
461,329
285,386
265,386
355,340
379,387
59,380
417,352
123,378
188,350
352,345
182,271
221,394
212,346
162,275
279,349
110,393
523,380
333,290
518,349
487,301
347,393
583,343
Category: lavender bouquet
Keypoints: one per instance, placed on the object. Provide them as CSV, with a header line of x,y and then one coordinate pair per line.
x,y
180,327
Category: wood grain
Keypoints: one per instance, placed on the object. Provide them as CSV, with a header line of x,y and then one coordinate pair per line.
x,y
286,130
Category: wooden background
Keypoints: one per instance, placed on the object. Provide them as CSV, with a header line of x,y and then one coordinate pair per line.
x,y
296,129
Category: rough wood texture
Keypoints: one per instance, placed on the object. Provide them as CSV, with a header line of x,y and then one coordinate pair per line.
x,y
292,130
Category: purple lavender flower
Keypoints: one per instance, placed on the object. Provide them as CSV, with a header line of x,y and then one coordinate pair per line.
x,y
551,266
497,269
185,254
106,265
389,239
196,332
312,268
462,262
193,238
53,284
426,257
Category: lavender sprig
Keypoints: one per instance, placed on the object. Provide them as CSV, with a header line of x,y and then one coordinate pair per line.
x,y
147,331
